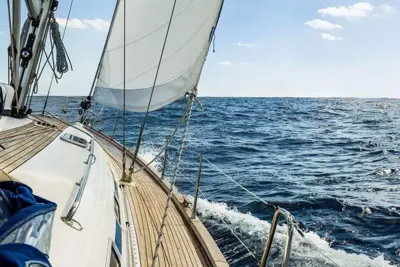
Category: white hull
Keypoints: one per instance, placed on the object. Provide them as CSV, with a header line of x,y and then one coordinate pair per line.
x,y
55,173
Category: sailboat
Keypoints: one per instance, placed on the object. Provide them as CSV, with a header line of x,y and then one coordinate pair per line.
x,y
71,195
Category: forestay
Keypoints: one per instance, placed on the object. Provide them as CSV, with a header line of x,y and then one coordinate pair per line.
x,y
147,22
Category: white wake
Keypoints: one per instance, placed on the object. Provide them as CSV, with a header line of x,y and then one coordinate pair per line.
x,y
311,250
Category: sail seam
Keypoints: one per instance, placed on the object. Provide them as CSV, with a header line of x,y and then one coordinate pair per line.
x,y
169,57
154,31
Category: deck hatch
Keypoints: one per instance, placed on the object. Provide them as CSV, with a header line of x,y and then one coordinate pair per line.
x,y
73,139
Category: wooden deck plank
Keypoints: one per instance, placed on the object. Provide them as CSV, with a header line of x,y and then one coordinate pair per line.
x,y
169,248
178,226
163,258
139,227
183,237
183,250
17,129
148,251
17,141
8,136
166,244
151,227
137,209
182,246
179,250
31,152
196,246
12,155
24,142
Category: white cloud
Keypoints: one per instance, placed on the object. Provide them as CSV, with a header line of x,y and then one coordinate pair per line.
x,y
358,10
245,44
225,63
72,23
97,24
330,37
387,8
322,24
244,63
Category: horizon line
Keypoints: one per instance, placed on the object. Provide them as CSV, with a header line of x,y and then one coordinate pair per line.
x,y
326,97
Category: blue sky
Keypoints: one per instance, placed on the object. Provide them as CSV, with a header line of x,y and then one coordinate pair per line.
x,y
317,48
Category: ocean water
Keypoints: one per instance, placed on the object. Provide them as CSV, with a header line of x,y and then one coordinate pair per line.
x,y
333,163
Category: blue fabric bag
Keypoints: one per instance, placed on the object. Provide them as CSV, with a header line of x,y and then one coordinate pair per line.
x,y
26,222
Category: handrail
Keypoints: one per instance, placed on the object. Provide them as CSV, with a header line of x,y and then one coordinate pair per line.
x,y
290,220
289,235
68,219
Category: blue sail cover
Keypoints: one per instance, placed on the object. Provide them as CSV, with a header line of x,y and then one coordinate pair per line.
x,y
26,222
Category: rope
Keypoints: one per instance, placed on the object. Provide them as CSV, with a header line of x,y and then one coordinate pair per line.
x,y
62,55
258,198
171,187
187,109
56,29
236,235
152,91
222,219
241,186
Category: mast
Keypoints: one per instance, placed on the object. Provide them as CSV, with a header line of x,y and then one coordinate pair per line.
x,y
16,26
29,52
104,47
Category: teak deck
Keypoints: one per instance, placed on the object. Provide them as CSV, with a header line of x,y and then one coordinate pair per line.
x,y
185,242
20,144
147,202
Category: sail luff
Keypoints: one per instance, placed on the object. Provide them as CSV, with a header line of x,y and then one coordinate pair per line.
x,y
182,62
104,48
212,35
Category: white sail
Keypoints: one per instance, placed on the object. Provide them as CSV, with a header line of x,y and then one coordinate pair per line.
x,y
146,27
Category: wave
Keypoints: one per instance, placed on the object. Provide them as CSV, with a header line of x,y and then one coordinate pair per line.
x,y
148,152
312,250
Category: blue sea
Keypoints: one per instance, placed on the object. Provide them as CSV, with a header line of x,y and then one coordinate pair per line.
x,y
333,163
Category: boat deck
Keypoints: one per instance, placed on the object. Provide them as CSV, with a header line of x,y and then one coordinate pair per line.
x,y
146,199
20,144
185,242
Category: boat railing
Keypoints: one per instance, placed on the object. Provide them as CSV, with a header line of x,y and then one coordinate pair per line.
x,y
290,224
69,217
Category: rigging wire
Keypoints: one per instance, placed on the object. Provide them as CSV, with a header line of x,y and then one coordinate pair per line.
x,y
169,140
151,94
47,59
124,109
172,184
100,64
263,201
222,219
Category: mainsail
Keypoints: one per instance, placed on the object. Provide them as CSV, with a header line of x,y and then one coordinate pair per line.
x,y
146,22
